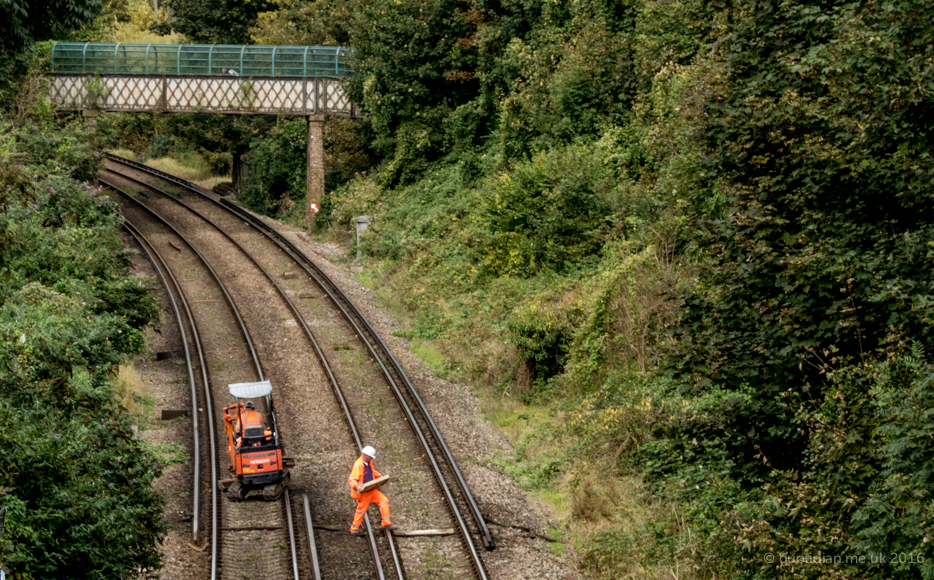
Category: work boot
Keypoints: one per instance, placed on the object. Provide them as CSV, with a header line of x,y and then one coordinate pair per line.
x,y
389,527
357,532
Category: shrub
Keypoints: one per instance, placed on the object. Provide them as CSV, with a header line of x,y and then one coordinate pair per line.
x,y
898,516
548,213
69,149
278,169
541,327
76,481
161,146
361,196
825,248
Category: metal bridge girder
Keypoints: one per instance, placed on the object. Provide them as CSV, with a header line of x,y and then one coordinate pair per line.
x,y
201,94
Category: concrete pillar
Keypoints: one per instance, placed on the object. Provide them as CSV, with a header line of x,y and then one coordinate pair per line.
x,y
90,116
314,191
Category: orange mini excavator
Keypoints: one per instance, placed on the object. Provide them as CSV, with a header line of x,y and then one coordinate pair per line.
x,y
253,444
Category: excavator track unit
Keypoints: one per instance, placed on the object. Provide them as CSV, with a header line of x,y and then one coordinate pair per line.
x,y
253,444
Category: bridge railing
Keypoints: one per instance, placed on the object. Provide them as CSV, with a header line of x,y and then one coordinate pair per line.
x,y
201,59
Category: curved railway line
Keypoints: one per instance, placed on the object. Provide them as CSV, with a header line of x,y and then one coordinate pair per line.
x,y
371,536
224,548
365,381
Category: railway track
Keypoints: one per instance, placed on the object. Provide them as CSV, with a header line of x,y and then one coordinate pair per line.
x,y
234,527
228,219
254,525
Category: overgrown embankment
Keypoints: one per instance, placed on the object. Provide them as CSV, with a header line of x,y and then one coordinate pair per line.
x,y
693,243
75,480
682,247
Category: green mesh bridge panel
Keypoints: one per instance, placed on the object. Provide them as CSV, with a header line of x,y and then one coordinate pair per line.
x,y
200,59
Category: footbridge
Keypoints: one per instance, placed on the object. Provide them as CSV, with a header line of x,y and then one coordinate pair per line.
x,y
195,78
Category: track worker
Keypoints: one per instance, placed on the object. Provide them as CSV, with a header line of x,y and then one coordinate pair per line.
x,y
252,420
362,472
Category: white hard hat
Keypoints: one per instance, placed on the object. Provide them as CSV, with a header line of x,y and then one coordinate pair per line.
x,y
369,451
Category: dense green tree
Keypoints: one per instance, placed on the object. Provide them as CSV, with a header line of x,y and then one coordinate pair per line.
x,y
23,23
76,481
414,65
435,75
301,23
217,21
821,135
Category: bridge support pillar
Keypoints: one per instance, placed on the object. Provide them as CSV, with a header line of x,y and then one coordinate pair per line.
x,y
90,116
314,191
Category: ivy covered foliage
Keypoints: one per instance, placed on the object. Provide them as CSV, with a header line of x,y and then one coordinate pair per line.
x,y
216,21
827,168
696,233
75,480
706,224
25,22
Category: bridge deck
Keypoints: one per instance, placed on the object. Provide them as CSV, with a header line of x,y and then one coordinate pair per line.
x,y
201,94
196,78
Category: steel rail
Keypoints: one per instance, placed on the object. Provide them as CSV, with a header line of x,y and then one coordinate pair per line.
x,y
288,519
315,566
374,549
230,301
196,500
337,295
476,562
209,403
246,336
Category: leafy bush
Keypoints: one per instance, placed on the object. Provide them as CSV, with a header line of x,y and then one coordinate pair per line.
x,y
133,131
223,22
77,483
69,150
551,212
361,197
161,146
278,166
897,516
828,238
541,327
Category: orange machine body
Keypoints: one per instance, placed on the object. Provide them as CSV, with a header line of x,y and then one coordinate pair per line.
x,y
255,456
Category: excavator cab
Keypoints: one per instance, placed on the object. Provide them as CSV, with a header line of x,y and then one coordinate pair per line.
x,y
253,443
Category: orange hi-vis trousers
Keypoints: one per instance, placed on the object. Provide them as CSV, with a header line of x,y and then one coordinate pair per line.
x,y
363,503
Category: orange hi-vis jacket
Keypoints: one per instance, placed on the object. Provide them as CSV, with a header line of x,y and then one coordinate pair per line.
x,y
250,419
357,476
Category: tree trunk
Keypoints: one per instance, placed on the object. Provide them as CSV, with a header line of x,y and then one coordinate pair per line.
x,y
524,376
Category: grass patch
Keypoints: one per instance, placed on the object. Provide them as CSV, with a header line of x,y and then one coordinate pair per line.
x,y
187,166
616,529
133,394
170,453
341,234
428,354
125,153
368,279
557,501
